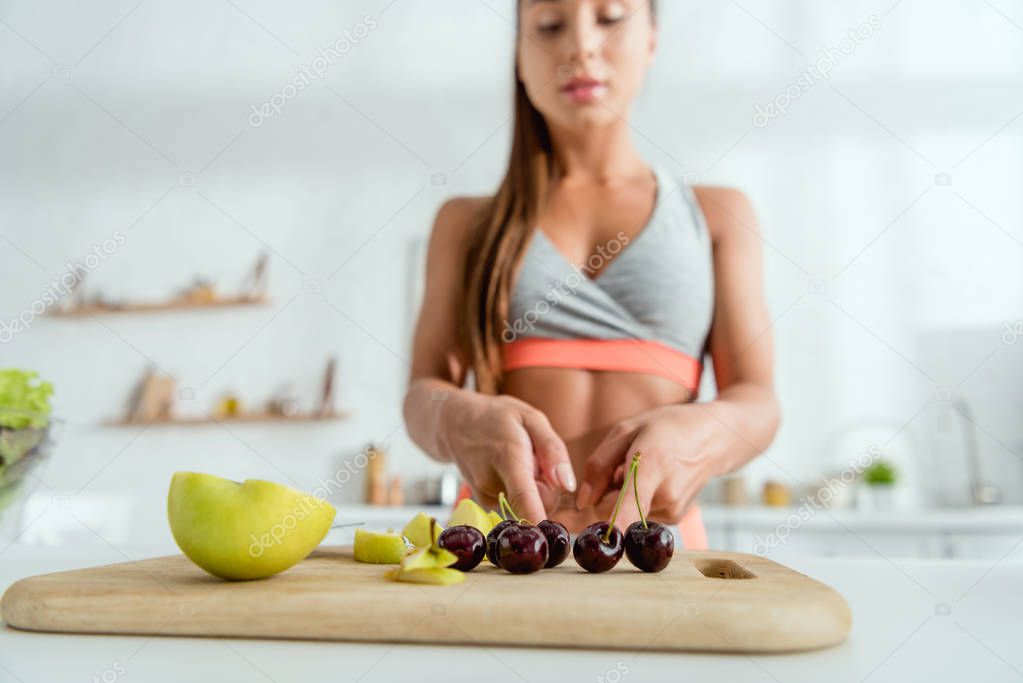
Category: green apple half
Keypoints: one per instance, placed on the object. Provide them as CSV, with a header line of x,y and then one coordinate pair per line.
x,y
248,530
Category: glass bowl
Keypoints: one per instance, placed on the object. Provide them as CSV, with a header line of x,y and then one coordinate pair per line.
x,y
23,453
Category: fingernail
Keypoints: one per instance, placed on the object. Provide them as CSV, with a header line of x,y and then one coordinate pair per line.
x,y
566,476
582,500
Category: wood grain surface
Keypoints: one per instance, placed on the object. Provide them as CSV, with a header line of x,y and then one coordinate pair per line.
x,y
710,601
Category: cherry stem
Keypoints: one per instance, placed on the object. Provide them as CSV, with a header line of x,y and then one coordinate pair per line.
x,y
506,508
433,532
621,496
635,487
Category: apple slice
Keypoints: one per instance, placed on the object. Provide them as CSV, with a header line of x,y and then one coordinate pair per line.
x,y
377,548
433,557
419,530
439,576
248,530
428,565
469,512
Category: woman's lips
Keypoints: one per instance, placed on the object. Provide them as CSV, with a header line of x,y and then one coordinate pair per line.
x,y
584,89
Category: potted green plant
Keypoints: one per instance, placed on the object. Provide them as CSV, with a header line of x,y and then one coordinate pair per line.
x,y
25,439
879,481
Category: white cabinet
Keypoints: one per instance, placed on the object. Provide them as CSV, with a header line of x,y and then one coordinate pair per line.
x,y
981,546
970,533
836,543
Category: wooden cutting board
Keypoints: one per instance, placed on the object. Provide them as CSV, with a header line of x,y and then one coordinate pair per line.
x,y
727,602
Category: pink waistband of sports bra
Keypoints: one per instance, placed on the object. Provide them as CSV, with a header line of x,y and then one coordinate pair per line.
x,y
621,355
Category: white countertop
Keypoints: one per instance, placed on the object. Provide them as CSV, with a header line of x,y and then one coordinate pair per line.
x,y
914,620
987,519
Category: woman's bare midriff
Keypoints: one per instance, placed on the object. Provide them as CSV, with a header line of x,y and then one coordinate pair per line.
x,y
582,405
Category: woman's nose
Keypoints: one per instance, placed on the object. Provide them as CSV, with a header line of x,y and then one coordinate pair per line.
x,y
585,39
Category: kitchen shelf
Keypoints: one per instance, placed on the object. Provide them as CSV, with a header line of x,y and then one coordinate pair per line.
x,y
245,418
160,306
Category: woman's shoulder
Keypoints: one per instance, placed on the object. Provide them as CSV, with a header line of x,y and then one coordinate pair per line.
x,y
457,215
452,227
726,210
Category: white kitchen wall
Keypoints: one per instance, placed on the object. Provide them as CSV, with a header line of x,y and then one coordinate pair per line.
x,y
873,254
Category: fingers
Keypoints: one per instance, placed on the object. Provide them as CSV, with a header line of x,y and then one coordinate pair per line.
x,y
550,495
517,472
648,481
603,507
672,502
485,491
600,466
487,502
550,450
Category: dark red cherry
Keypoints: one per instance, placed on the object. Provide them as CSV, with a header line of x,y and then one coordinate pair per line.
x,y
492,539
466,542
559,543
595,554
522,548
649,548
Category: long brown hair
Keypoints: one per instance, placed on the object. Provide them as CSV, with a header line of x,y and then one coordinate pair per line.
x,y
499,238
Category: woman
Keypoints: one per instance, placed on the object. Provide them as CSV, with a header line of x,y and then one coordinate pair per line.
x,y
583,297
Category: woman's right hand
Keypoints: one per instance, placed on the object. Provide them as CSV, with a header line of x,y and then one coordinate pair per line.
x,y
501,443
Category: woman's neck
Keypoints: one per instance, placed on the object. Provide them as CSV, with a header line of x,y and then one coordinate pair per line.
x,y
602,155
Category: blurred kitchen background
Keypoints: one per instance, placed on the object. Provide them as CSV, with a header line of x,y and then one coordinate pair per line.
x,y
272,239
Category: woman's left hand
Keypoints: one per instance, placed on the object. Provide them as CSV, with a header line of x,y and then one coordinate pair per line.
x,y
671,472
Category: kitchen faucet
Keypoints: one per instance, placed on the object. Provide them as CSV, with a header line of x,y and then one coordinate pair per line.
x,y
980,492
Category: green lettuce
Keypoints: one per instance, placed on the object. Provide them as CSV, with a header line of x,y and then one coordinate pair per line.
x,y
24,400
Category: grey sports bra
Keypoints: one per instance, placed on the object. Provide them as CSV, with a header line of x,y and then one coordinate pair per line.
x,y
648,310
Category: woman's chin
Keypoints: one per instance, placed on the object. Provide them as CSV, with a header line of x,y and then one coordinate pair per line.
x,y
584,116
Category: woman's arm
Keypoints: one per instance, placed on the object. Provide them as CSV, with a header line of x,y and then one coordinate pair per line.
x,y
685,445
498,442
741,341
438,364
